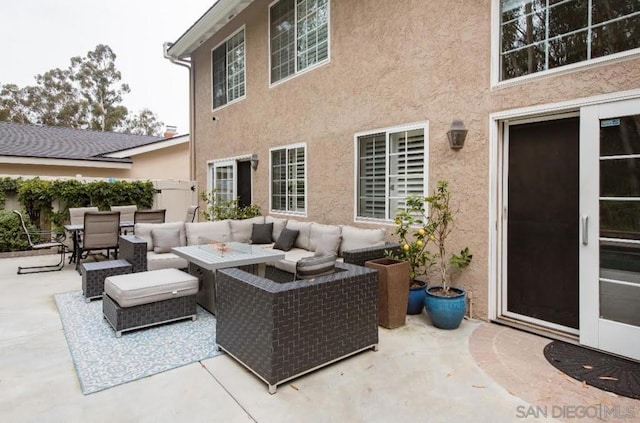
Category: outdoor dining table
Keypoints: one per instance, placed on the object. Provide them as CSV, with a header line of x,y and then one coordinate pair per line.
x,y
75,233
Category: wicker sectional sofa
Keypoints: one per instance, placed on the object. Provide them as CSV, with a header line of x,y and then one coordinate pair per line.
x,y
356,245
281,328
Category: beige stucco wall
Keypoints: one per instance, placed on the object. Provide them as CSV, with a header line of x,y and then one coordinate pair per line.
x,y
167,163
68,171
414,61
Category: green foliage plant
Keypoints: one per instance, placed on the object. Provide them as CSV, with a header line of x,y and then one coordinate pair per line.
x,y
220,209
12,236
7,185
423,236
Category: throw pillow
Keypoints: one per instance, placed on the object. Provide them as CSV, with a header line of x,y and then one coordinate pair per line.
x,y
286,239
261,233
328,245
311,267
165,239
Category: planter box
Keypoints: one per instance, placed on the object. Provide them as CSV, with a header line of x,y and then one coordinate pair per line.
x,y
393,291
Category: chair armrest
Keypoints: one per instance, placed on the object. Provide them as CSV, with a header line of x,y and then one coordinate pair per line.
x,y
134,250
362,255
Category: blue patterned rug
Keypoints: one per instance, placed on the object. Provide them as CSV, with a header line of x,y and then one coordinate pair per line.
x,y
103,361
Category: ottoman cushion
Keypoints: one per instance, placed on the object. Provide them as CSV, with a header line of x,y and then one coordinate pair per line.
x,y
148,287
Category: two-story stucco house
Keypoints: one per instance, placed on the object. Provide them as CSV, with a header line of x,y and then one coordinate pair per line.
x,y
344,107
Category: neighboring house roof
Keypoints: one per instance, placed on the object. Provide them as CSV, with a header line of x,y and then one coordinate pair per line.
x,y
19,143
211,22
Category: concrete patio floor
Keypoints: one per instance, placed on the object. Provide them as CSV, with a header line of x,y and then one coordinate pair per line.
x,y
481,372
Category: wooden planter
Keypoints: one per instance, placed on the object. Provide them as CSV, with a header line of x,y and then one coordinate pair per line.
x,y
393,291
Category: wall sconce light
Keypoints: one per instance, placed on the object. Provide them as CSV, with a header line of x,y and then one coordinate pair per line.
x,y
254,161
457,133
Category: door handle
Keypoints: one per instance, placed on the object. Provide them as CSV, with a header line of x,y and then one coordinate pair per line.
x,y
585,229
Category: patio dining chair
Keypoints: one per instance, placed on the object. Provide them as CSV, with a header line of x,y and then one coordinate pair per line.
x,y
149,216
50,242
76,217
126,215
192,211
101,232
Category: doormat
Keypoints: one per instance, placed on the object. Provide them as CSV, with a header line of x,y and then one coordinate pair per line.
x,y
604,371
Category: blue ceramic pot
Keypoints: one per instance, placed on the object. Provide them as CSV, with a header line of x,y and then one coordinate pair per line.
x,y
446,312
416,298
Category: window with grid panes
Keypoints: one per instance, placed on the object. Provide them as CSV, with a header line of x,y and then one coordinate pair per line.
x,y
299,31
288,179
228,70
390,167
537,35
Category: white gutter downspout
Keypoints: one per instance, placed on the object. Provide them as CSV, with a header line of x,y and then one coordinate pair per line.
x,y
192,125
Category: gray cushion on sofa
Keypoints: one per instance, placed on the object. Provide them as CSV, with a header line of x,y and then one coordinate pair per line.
x,y
261,233
311,267
143,230
355,238
204,232
304,229
278,225
286,240
241,229
165,239
327,245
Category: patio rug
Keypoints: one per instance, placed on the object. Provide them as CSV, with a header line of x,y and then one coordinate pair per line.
x,y
103,361
604,371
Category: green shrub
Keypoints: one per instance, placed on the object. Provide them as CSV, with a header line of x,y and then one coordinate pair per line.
x,y
217,209
12,237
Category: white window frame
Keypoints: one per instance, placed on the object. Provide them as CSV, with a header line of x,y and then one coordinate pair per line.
x,y
495,57
227,161
302,145
297,72
388,131
226,72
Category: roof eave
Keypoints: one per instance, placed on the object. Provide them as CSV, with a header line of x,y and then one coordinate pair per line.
x,y
204,28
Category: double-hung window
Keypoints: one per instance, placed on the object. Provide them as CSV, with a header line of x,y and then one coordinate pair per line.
x,y
288,179
228,70
299,36
390,166
538,35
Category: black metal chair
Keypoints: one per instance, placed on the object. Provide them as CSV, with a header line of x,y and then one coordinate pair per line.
x,y
52,242
149,216
101,232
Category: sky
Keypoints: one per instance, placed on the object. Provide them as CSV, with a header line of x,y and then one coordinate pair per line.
x,y
40,35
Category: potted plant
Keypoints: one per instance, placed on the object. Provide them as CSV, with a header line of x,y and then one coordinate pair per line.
x,y
414,233
445,304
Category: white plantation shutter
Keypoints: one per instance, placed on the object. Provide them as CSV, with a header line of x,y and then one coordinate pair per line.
x,y
391,166
371,180
406,168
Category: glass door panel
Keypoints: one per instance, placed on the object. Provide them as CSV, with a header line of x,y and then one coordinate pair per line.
x,y
619,283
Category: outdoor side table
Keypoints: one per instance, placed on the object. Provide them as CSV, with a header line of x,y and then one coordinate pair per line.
x,y
94,274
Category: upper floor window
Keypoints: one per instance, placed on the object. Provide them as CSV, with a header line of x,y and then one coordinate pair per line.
x,y
537,35
390,165
228,70
299,36
288,179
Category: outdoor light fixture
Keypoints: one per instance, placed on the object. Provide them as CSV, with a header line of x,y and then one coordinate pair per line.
x,y
457,133
254,161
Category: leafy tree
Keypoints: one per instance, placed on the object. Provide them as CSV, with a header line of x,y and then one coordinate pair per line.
x,y
145,123
100,88
14,104
88,94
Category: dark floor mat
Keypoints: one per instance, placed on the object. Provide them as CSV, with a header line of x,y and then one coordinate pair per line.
x,y
597,369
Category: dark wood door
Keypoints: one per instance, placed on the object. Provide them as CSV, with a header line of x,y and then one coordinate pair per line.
x,y
543,221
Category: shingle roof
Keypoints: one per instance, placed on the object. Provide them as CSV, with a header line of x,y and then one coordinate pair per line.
x,y
66,143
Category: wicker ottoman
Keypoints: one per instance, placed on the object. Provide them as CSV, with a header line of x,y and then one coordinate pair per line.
x,y
144,299
94,274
